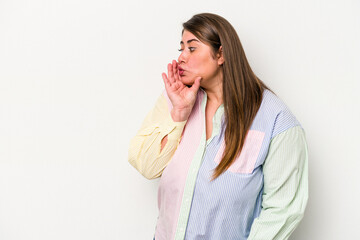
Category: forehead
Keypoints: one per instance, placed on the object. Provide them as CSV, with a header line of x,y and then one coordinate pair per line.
x,y
187,36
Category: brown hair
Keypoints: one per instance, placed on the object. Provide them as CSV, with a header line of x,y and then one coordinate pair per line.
x,y
242,89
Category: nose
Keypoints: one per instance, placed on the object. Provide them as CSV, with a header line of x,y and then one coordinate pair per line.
x,y
182,57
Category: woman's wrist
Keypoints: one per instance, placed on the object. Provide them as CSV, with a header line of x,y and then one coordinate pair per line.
x,y
179,115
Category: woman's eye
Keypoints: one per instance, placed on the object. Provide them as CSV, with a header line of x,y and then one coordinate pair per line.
x,y
191,49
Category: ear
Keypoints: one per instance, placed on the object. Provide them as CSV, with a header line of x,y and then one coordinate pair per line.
x,y
220,56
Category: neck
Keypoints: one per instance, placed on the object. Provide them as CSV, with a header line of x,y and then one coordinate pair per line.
x,y
214,92
214,96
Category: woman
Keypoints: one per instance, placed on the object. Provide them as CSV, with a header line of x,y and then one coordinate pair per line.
x,y
231,156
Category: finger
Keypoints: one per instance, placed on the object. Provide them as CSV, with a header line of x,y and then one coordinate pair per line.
x,y
195,87
170,73
174,67
166,81
176,74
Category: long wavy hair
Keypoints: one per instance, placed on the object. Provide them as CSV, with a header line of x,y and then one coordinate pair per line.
x,y
242,89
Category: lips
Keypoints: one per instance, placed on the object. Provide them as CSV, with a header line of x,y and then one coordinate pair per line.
x,y
181,71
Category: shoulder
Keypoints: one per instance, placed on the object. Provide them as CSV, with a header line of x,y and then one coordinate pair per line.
x,y
276,114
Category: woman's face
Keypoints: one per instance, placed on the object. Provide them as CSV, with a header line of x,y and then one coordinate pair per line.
x,y
196,60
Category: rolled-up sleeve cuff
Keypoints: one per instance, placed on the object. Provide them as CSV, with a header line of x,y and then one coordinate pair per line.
x,y
174,129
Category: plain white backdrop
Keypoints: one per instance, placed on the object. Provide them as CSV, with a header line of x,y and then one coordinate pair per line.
x,y
77,78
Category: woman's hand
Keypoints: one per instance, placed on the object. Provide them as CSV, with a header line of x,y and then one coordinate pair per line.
x,y
181,96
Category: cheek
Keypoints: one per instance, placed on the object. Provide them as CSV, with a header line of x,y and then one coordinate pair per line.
x,y
196,66
202,70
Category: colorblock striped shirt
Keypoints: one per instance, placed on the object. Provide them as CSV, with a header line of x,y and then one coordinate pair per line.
x,y
262,195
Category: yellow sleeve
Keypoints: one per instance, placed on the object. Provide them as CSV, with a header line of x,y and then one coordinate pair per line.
x,y
144,152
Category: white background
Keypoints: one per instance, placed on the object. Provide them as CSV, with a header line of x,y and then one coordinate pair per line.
x,y
77,78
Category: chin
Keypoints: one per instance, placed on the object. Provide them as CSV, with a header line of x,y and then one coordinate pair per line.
x,y
186,81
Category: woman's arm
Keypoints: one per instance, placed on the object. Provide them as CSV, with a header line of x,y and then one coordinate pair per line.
x,y
285,187
155,143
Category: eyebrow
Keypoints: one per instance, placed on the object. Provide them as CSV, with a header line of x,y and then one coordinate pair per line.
x,y
189,41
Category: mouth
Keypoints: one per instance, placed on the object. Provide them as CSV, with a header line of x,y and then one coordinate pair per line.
x,y
181,71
